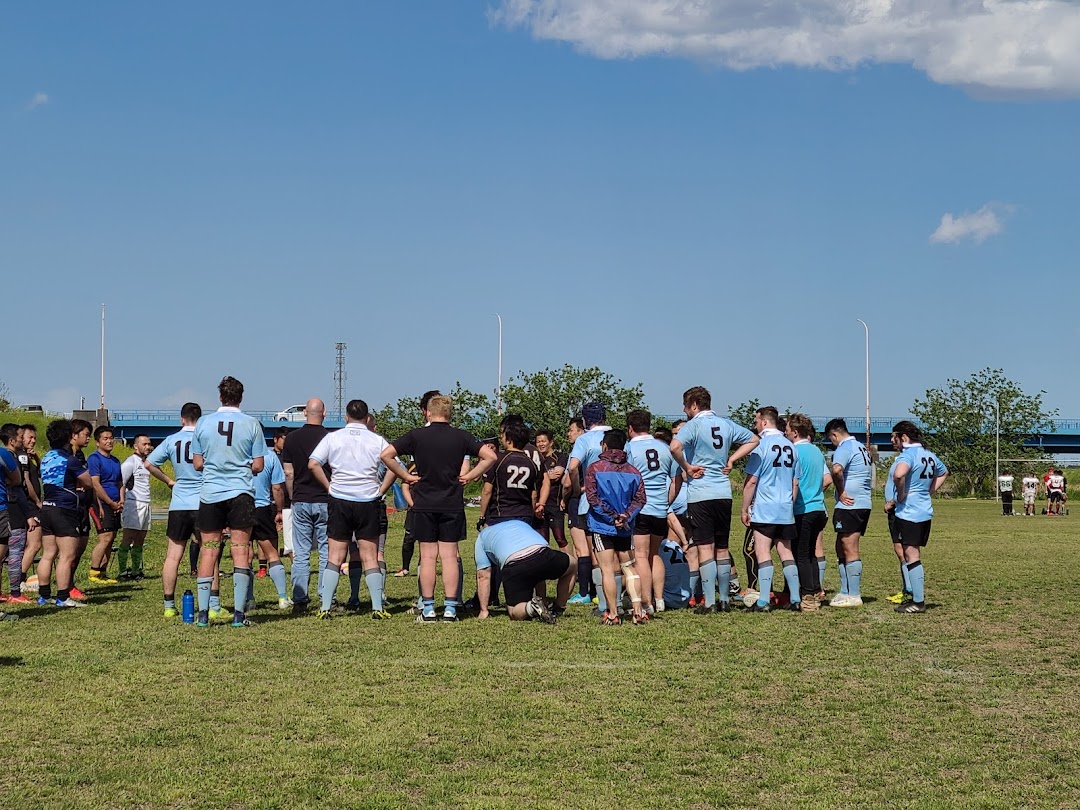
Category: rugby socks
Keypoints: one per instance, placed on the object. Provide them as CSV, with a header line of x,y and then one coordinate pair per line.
x,y
327,585
917,578
382,573
373,578
821,571
356,574
905,578
241,579
841,569
854,577
45,591
598,585
461,584
765,574
277,575
707,570
122,558
695,584
215,596
791,577
584,575
202,588
193,556
723,578
136,559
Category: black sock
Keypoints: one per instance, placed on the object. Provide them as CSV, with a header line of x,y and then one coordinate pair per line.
x,y
63,594
45,591
584,575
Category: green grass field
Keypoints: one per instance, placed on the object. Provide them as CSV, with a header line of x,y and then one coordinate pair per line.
x,y
972,705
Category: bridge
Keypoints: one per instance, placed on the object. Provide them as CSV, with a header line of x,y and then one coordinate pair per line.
x,y
1062,437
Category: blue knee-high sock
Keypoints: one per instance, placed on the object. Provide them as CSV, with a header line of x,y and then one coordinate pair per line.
x,y
277,576
723,579
695,584
854,577
791,577
917,578
356,574
202,585
821,571
584,575
241,579
905,578
251,588
708,582
328,585
841,569
215,598
374,585
598,585
764,575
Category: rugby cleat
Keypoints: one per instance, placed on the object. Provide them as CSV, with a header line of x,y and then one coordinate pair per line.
x,y
19,599
245,622
324,615
579,599
449,614
540,610
70,603
41,600
219,614
171,613
75,593
911,607
610,619
845,600
760,608
284,603
704,610
103,581
898,598
427,616
380,615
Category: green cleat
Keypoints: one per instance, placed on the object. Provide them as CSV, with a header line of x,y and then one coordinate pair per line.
x,y
220,615
171,613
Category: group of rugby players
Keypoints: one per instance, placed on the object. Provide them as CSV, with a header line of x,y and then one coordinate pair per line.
x,y
624,492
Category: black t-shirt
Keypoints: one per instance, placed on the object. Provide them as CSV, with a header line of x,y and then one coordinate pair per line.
x,y
513,479
297,450
437,450
549,463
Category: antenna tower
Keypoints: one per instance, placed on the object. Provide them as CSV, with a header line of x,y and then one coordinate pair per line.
x,y
339,381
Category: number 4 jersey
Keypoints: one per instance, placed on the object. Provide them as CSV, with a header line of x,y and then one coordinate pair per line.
x,y
177,450
228,440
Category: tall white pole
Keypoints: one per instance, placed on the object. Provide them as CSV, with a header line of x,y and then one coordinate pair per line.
x,y
102,406
867,329
997,448
498,395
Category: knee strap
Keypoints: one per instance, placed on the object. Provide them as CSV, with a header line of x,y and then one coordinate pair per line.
x,y
631,581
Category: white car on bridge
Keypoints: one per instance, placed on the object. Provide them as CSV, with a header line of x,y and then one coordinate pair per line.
x,y
296,413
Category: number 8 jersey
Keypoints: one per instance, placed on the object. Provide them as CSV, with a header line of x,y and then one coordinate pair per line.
x,y
177,450
657,466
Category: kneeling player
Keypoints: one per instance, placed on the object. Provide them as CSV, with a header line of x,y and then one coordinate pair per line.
x,y
616,494
772,482
919,474
527,563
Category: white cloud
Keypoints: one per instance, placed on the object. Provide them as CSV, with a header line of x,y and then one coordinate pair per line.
x,y
999,46
977,226
39,100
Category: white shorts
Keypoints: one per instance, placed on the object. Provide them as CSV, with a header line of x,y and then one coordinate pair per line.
x,y
136,515
1029,498
286,531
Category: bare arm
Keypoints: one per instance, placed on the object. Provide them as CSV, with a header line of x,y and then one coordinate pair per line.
x,y
278,493
935,485
257,465
838,483
156,472
900,479
288,467
389,459
485,499
743,451
198,462
488,457
690,470
540,502
102,496
748,492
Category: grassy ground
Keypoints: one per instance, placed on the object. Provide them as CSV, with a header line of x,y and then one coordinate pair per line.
x,y
973,704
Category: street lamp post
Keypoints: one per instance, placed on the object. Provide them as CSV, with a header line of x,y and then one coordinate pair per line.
x,y
867,330
997,449
102,405
498,390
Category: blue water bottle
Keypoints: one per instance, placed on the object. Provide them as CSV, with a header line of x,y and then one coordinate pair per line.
x,y
188,608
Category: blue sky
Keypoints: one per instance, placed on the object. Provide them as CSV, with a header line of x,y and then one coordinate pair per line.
x,y
246,183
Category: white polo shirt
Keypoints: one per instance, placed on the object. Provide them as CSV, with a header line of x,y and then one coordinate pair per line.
x,y
353,455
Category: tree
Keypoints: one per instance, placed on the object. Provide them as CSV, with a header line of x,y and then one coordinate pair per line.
x,y
960,421
551,398
5,398
472,412
743,413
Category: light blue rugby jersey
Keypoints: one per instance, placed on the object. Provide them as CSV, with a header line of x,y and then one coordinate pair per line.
x,y
586,450
678,506
707,440
890,482
496,543
811,497
657,466
177,450
775,462
272,473
858,472
924,468
228,440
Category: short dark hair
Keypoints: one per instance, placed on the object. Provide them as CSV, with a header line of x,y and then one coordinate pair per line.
x,y
698,395
29,426
138,436
191,412
101,431
546,432
676,423
577,422
79,425
836,424
282,432
426,398
8,432
663,434
58,434
768,413
357,409
639,420
515,433
909,429
230,391
615,439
